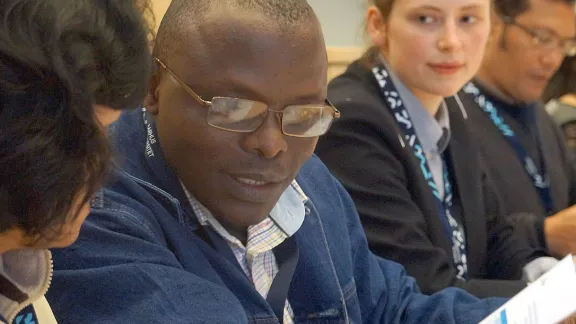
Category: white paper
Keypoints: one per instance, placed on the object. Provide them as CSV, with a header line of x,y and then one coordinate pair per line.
x,y
548,300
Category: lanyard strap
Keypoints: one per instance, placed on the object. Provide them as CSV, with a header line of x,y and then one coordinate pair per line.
x,y
11,291
286,253
538,176
452,229
455,230
27,315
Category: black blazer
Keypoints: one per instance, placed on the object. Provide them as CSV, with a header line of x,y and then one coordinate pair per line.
x,y
521,201
397,208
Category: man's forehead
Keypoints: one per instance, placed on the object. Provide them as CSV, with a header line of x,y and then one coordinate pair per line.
x,y
221,32
225,39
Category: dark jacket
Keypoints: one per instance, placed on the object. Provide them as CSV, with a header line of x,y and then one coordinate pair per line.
x,y
396,205
140,259
532,124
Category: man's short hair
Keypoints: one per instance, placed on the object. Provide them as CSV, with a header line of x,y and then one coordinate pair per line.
x,y
58,59
182,14
513,8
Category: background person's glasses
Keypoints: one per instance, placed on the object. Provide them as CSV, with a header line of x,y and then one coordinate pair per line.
x,y
545,38
245,116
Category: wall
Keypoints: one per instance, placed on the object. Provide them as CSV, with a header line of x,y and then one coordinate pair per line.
x,y
159,7
342,21
342,25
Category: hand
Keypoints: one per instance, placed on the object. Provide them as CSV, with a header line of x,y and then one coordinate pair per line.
x,y
560,232
569,320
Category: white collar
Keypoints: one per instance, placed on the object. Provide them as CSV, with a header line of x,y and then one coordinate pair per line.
x,y
30,270
288,213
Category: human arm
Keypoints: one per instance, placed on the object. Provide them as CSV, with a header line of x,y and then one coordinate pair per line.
x,y
514,248
559,230
387,294
121,270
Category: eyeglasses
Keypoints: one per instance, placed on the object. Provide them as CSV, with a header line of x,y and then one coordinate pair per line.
x,y
545,38
245,116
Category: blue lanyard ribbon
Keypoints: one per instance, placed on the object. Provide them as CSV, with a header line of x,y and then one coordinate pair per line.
x,y
452,229
26,316
538,176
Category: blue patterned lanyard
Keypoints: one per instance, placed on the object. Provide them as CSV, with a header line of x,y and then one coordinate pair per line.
x,y
539,177
443,205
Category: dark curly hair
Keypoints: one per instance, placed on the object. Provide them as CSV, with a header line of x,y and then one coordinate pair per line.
x,y
58,59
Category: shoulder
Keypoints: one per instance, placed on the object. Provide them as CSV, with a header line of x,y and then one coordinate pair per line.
x,y
356,92
319,184
129,204
364,112
355,83
314,174
127,131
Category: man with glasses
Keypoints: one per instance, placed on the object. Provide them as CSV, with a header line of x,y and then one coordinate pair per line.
x,y
220,213
524,150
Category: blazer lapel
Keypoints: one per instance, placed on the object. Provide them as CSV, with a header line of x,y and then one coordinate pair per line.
x,y
467,180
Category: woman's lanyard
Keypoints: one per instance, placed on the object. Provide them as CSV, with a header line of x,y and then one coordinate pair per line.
x,y
538,176
444,205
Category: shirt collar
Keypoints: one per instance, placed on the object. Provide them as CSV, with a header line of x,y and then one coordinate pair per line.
x,y
433,133
288,213
30,272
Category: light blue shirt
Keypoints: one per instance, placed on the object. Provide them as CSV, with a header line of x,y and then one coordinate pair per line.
x,y
434,136
433,133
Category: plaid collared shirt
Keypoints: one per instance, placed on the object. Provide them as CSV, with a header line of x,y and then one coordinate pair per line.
x,y
256,258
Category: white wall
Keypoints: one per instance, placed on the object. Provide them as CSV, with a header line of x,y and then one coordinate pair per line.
x,y
342,21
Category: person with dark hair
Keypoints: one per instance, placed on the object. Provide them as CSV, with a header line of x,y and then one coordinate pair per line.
x,y
67,69
407,158
524,149
220,213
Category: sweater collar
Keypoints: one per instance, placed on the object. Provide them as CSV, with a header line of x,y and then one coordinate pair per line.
x,y
25,277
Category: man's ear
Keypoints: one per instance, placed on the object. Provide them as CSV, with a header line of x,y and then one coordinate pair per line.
x,y
376,27
151,100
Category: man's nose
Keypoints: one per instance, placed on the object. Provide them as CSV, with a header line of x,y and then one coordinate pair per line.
x,y
268,139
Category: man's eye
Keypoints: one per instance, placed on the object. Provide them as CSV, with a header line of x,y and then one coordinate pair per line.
x,y
544,37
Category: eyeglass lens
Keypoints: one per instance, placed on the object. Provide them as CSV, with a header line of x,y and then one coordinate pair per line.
x,y
241,115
